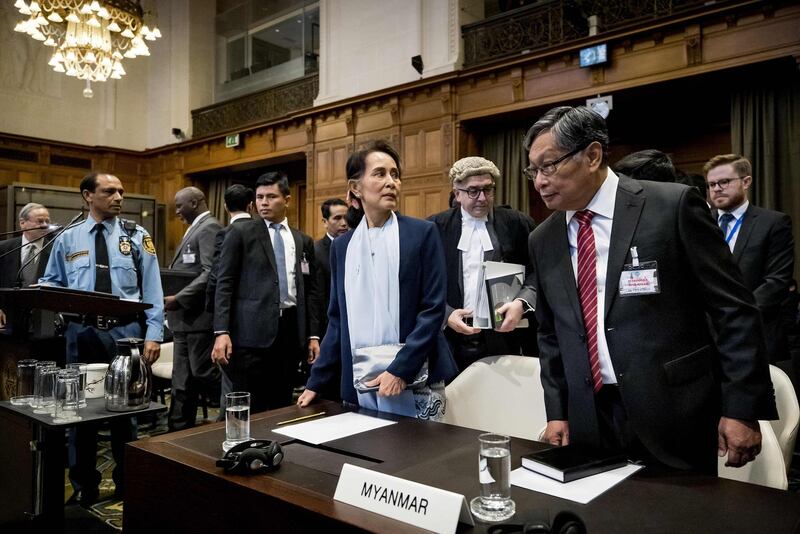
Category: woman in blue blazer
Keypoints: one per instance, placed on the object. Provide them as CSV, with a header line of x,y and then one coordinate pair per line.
x,y
387,289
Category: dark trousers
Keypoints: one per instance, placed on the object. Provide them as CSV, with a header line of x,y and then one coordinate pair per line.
x,y
617,434
267,373
87,344
193,374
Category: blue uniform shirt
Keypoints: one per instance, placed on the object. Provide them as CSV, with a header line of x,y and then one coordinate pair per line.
x,y
72,264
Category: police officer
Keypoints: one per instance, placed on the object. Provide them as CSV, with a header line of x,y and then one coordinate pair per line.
x,y
109,255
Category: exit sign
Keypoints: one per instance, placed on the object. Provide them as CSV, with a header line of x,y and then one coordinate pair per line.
x,y
231,140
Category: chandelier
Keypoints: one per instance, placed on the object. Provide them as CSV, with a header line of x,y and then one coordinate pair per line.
x,y
89,38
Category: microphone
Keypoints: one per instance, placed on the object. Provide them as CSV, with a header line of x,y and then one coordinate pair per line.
x,y
58,231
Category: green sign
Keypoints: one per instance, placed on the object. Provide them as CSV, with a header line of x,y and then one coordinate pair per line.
x,y
231,140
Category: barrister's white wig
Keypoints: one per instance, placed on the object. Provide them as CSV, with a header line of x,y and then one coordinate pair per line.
x,y
472,166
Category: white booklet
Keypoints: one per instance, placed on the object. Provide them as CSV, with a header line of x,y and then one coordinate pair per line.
x,y
582,490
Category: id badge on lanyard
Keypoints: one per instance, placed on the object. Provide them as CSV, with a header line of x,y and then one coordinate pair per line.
x,y
637,278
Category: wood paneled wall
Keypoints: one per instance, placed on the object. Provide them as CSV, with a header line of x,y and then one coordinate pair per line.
x,y
429,120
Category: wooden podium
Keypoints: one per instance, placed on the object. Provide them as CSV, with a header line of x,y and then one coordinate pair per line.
x,y
20,301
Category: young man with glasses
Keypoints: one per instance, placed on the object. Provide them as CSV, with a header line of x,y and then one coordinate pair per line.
x,y
628,275
760,240
473,232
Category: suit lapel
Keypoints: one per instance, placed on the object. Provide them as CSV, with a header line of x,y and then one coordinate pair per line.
x,y
746,229
189,232
266,243
563,264
627,209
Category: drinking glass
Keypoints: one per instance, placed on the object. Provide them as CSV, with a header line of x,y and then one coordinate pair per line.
x,y
47,390
26,374
37,393
66,396
494,472
237,419
81,368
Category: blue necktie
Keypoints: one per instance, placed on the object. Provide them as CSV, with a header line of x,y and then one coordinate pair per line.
x,y
725,220
280,260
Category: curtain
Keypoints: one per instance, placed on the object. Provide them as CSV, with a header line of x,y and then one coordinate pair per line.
x,y
504,148
216,198
765,128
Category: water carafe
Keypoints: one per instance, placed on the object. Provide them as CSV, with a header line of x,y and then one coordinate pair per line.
x,y
128,380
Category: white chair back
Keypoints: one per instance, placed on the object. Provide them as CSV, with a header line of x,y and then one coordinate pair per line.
x,y
163,366
501,394
767,469
788,411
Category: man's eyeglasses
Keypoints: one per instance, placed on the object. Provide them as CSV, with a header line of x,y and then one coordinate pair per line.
x,y
548,168
723,182
475,192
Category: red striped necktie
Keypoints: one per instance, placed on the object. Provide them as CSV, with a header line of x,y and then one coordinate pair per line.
x,y
587,290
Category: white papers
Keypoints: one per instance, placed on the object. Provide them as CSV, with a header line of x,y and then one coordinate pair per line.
x,y
582,490
331,428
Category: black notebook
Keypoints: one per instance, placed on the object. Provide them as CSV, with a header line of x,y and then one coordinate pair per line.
x,y
572,462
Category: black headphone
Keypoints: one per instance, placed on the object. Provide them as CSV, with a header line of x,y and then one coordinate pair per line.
x,y
563,523
252,457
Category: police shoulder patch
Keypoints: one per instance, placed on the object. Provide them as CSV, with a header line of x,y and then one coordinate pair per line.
x,y
149,247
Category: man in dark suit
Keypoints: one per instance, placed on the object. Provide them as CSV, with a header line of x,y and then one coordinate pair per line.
x,y
626,274
334,219
28,250
238,203
761,242
193,372
473,232
266,291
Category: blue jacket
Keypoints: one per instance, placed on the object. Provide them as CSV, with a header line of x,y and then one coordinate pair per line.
x,y
422,306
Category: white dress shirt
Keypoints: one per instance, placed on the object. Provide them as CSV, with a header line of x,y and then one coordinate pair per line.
x,y
240,216
289,253
196,221
474,242
602,205
733,229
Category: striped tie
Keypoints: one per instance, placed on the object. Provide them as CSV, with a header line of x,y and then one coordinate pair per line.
x,y
587,290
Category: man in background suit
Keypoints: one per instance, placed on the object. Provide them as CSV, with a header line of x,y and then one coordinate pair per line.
x,y
761,242
626,274
193,373
334,219
17,251
266,293
238,203
473,232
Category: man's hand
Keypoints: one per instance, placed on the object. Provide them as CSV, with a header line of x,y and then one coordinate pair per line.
x,y
223,349
388,384
512,312
741,440
556,433
306,398
2,319
313,350
171,303
457,324
152,350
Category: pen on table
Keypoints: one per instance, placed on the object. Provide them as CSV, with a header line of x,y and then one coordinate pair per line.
x,y
301,418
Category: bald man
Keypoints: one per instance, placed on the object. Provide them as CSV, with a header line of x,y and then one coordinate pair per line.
x,y
193,372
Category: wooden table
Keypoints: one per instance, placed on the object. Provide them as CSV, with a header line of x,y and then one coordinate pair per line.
x,y
32,462
173,485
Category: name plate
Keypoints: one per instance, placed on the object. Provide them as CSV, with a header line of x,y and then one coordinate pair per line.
x,y
410,502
